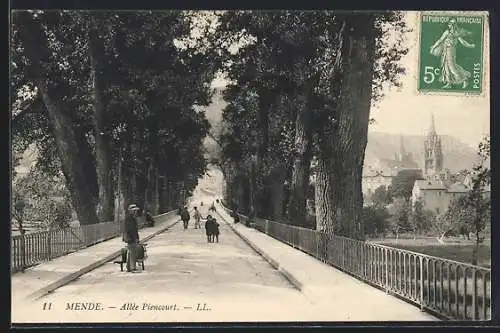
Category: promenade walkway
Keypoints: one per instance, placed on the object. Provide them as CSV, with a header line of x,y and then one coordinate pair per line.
x,y
248,276
36,280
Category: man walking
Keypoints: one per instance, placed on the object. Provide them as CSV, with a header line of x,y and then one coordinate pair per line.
x,y
209,228
185,217
197,218
131,237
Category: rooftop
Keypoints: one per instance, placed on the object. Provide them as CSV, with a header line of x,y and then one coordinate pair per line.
x,y
458,188
430,184
377,173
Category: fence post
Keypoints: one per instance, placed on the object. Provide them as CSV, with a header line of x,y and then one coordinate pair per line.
x,y
421,260
386,252
267,227
49,244
362,260
317,246
474,295
23,251
343,253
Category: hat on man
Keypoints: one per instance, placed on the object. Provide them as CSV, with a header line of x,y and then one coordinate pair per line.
x,y
133,207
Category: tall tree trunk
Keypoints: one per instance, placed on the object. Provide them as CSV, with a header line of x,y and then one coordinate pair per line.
x,y
119,202
181,192
149,192
232,185
242,193
155,200
265,97
73,166
238,190
148,188
166,194
70,148
127,176
228,181
137,179
357,58
140,188
162,192
277,194
172,198
302,163
323,193
105,205
252,182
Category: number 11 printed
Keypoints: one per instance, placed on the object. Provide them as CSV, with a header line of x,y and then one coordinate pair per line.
x,y
451,53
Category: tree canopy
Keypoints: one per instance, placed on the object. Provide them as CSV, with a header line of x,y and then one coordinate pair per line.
x,y
116,95
119,87
285,105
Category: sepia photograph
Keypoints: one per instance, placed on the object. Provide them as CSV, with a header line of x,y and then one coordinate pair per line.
x,y
222,166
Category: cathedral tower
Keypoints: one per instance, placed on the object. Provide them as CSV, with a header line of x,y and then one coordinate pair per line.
x,y
433,153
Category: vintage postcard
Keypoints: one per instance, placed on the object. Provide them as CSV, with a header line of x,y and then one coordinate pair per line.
x,y
250,166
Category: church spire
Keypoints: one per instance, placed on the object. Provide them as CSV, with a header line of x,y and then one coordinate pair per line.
x,y
432,129
433,151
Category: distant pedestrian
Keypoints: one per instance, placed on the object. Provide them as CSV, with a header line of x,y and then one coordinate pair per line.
x,y
212,207
149,219
209,228
131,237
215,230
212,229
197,218
234,213
185,217
235,216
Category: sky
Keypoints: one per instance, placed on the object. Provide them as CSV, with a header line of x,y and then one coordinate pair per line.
x,y
404,111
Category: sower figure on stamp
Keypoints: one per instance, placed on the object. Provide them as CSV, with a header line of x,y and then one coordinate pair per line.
x,y
445,48
131,237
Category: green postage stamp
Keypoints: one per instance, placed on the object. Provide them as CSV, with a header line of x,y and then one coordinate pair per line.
x,y
451,53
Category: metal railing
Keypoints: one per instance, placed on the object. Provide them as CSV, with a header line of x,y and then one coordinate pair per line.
x,y
450,289
32,248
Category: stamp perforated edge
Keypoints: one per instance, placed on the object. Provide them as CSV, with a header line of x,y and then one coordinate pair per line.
x,y
484,54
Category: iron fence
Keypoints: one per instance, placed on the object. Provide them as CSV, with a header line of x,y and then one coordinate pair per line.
x,y
32,248
448,288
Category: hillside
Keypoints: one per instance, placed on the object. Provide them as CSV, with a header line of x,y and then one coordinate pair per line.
x,y
457,155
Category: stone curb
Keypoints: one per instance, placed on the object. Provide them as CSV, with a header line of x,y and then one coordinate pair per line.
x,y
73,276
274,263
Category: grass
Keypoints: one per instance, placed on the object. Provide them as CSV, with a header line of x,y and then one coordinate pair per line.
x,y
454,248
